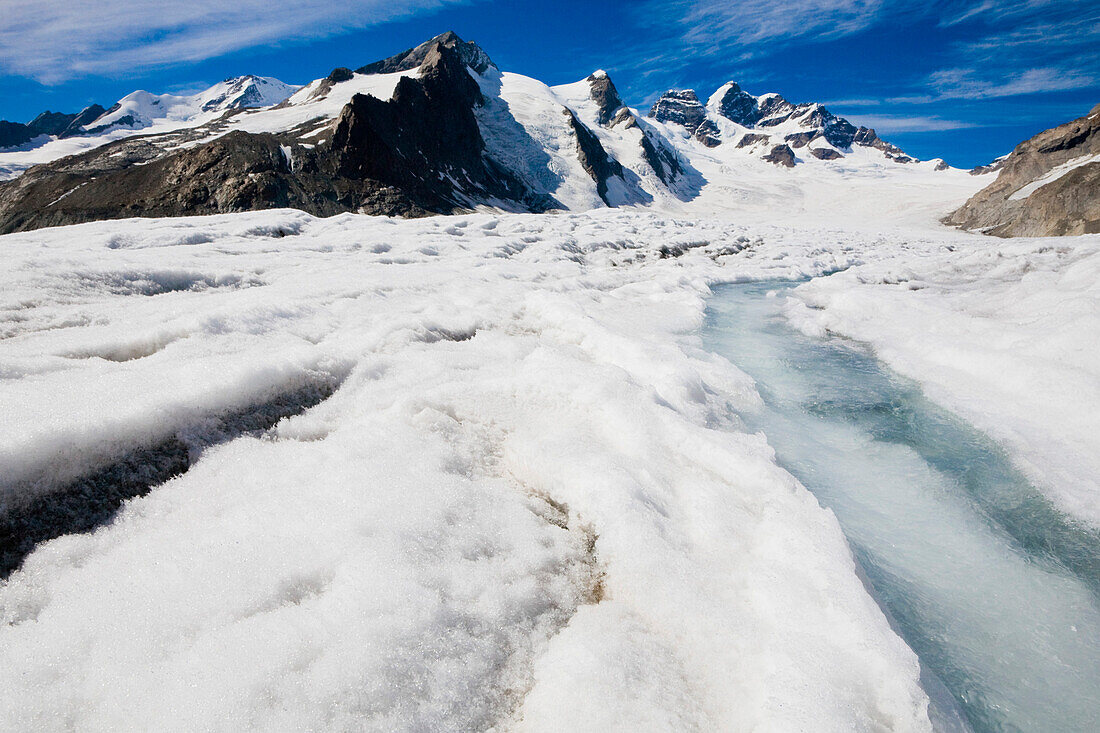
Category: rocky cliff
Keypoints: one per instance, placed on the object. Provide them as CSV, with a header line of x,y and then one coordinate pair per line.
x,y
437,128
418,153
1048,186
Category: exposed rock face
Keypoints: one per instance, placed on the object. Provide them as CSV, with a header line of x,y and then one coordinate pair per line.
x,y
774,110
867,137
52,123
60,124
86,116
663,161
752,138
1048,186
14,133
996,165
418,153
595,160
839,132
605,95
130,178
739,106
683,108
469,52
801,139
425,139
339,74
813,121
825,153
781,155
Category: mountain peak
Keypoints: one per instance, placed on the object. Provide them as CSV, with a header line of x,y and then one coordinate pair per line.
x,y
605,95
735,104
471,54
682,107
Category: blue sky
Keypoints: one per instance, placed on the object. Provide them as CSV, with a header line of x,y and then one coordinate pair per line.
x,y
964,80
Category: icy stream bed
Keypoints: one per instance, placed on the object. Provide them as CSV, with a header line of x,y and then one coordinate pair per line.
x,y
995,590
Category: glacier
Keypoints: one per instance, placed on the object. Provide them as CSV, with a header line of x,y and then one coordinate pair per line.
x,y
489,470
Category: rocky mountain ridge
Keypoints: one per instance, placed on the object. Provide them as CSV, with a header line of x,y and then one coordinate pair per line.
x,y
140,109
1048,186
53,124
434,129
770,122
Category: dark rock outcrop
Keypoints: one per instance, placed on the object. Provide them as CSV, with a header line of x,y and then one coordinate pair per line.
x,y
774,110
336,76
781,155
420,152
868,138
425,140
683,108
58,124
825,153
237,172
85,117
606,97
339,74
771,110
752,138
13,134
993,167
1048,186
51,123
802,139
469,52
664,162
739,106
594,159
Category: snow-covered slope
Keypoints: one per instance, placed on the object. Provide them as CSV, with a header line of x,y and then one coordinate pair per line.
x,y
576,146
142,112
1007,336
528,493
141,109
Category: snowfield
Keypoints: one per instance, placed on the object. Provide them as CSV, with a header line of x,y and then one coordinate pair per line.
x,y
519,496
1006,333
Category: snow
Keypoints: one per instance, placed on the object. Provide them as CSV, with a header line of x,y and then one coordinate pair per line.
x,y
304,107
153,114
1003,332
1053,175
526,127
527,503
141,109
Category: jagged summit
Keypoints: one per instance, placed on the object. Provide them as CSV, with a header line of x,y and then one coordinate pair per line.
x,y
605,95
471,54
768,122
242,92
1049,185
47,124
683,107
736,104
434,129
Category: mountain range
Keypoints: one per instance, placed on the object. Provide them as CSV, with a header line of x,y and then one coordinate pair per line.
x,y
438,129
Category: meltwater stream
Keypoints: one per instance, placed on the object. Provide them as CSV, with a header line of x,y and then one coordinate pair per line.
x,y
997,593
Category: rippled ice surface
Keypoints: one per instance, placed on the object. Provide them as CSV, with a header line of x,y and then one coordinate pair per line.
x,y
997,593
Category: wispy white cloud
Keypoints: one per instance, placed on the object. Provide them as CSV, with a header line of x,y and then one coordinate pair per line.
x,y
971,84
721,25
892,124
54,40
1011,47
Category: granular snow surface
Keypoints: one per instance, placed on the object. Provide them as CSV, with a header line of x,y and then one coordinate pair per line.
x,y
527,505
